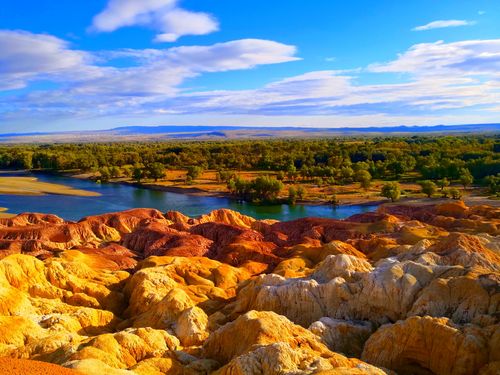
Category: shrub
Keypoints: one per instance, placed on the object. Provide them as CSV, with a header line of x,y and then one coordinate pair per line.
x,y
428,188
455,193
391,190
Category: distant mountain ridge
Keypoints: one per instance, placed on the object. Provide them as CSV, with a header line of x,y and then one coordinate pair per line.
x,y
165,132
374,129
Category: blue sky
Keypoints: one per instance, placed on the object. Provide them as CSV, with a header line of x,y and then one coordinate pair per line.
x,y
70,65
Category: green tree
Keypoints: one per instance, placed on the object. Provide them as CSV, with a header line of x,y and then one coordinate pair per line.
x,y
115,171
138,173
391,190
397,167
334,201
443,183
466,178
156,170
280,175
194,171
428,188
127,170
301,192
104,174
27,160
455,193
493,183
346,174
291,172
292,195
364,178
266,188
224,176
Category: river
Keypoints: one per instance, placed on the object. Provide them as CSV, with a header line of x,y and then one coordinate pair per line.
x,y
116,197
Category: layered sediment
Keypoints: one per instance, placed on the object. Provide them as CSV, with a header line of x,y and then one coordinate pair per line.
x,y
405,289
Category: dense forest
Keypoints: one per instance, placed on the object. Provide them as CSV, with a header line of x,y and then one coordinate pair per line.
x,y
334,161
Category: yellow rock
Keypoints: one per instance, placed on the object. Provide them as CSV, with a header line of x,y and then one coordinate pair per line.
x,y
436,345
124,349
258,328
270,344
166,286
192,326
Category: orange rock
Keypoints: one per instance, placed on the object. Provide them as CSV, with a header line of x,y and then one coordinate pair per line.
x,y
90,296
23,367
421,345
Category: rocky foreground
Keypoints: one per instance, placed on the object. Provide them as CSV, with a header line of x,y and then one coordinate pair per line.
x,y
407,290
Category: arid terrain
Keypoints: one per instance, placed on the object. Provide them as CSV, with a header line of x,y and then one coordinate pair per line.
x,y
406,290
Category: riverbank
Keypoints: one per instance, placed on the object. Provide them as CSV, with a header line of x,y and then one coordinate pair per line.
x,y
208,186
124,195
4,213
116,197
345,195
32,186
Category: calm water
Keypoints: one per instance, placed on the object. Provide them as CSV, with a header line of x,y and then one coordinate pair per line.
x,y
122,197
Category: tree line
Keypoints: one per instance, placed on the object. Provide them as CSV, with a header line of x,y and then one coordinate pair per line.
x,y
322,161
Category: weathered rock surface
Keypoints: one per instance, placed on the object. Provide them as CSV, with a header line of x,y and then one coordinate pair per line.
x,y
409,289
420,345
269,343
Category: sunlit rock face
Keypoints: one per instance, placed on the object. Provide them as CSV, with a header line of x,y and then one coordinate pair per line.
x,y
406,289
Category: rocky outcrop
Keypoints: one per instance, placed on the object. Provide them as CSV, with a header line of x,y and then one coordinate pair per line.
x,y
343,287
409,289
422,345
165,287
343,336
452,216
269,343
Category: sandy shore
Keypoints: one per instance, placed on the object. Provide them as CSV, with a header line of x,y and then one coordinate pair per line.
x,y
4,214
31,186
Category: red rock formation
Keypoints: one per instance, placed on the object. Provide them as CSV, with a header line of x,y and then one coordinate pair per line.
x,y
235,245
158,239
91,302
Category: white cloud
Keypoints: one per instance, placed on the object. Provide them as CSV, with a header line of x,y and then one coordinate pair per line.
x,y
442,82
178,22
153,75
444,59
26,56
237,54
443,24
162,15
161,71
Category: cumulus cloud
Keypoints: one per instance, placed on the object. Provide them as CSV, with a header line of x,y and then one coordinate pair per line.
x,y
165,16
458,80
162,71
26,56
93,84
440,24
441,78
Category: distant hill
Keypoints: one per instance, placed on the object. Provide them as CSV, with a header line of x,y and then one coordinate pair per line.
x,y
166,132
